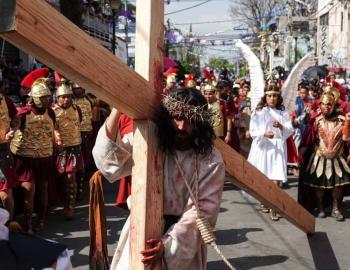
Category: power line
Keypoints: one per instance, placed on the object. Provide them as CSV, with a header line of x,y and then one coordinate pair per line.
x,y
207,22
188,8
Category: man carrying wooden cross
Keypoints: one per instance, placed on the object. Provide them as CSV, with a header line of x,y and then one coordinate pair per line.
x,y
194,175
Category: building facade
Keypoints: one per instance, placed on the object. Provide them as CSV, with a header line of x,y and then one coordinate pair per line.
x,y
332,33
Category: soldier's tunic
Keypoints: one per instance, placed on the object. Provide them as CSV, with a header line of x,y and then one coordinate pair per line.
x,y
242,125
327,166
70,159
218,118
324,161
32,144
86,128
8,177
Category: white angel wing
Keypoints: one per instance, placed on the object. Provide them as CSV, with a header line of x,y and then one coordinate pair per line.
x,y
289,89
256,74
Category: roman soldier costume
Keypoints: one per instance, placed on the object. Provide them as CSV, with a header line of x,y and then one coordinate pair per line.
x,y
170,76
325,170
219,110
32,147
8,178
86,129
28,80
69,158
190,81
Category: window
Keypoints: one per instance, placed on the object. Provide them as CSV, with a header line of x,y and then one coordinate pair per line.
x,y
324,19
342,22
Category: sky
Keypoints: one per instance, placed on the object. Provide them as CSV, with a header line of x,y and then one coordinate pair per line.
x,y
212,11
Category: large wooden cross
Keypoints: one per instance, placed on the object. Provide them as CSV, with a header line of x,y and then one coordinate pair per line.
x,y
38,29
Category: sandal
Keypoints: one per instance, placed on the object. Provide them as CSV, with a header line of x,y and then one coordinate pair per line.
x,y
264,209
337,215
321,214
274,216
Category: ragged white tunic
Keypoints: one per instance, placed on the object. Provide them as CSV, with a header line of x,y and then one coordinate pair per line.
x,y
270,155
184,248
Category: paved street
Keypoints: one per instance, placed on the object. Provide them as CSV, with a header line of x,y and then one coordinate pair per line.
x,y
246,236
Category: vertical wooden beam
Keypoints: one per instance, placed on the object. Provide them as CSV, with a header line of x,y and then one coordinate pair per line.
x,y
147,175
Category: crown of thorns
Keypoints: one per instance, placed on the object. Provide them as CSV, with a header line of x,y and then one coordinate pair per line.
x,y
181,109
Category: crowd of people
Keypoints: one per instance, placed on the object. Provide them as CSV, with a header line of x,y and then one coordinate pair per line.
x,y
47,136
277,140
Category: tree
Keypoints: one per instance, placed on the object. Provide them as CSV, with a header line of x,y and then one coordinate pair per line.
x,y
72,9
255,13
219,63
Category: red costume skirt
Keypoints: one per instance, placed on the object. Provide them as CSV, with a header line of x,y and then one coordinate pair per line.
x,y
124,192
292,152
8,177
70,160
87,144
35,169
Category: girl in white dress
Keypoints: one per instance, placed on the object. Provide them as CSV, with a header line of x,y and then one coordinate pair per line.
x,y
270,126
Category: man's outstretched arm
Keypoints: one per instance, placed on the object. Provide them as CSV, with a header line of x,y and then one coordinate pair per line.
x,y
112,154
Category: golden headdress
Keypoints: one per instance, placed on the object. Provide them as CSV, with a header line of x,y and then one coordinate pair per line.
x,y
328,98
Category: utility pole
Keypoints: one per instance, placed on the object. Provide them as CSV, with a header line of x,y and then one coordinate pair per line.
x,y
167,42
113,31
126,30
115,4
271,54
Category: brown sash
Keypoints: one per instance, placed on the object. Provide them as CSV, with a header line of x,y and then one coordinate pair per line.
x,y
97,224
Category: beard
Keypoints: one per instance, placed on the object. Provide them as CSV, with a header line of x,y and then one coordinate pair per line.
x,y
182,140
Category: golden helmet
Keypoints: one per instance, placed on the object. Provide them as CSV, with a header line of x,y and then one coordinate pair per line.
x,y
64,89
332,91
328,98
40,88
191,84
75,85
171,78
209,88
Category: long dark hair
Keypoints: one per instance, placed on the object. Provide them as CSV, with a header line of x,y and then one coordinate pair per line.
x,y
202,135
263,103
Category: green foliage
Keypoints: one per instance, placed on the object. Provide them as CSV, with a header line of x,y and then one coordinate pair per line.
x,y
219,63
243,70
72,9
300,55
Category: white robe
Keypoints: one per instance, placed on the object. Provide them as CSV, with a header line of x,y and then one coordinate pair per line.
x,y
270,155
184,248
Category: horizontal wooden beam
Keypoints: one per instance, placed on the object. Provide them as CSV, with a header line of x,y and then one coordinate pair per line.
x,y
38,29
251,180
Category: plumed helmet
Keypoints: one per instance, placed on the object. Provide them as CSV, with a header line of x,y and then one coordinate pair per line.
x,y
171,79
31,77
171,71
328,98
64,89
40,88
333,91
190,81
75,85
209,88
191,84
